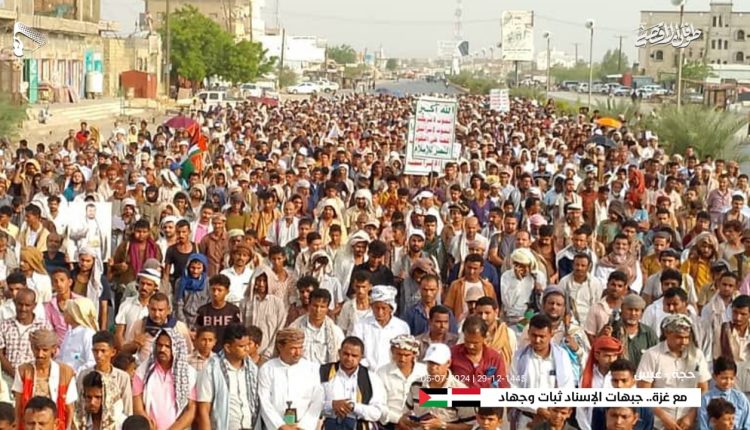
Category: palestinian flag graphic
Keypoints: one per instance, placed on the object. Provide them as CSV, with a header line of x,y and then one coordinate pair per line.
x,y
449,397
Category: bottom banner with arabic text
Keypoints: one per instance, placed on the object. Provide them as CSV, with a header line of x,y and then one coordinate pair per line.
x,y
564,397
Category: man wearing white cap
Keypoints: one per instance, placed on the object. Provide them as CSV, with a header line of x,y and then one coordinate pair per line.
x,y
438,360
426,200
377,330
568,196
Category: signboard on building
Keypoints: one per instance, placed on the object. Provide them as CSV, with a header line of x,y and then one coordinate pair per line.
x,y
446,49
667,34
518,35
500,100
434,129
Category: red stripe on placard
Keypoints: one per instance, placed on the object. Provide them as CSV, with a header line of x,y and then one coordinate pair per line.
x,y
466,391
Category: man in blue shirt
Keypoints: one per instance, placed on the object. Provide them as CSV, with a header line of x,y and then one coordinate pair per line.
x,y
622,374
724,373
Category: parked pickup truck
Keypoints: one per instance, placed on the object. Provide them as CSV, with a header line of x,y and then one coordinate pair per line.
x,y
217,98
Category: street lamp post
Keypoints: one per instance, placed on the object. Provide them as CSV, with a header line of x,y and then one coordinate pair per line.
x,y
681,4
547,35
590,26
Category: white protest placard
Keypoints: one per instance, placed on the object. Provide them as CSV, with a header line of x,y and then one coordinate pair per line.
x,y
91,226
434,129
413,166
500,100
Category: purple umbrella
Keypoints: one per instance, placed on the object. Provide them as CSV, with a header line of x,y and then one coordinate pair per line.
x,y
179,122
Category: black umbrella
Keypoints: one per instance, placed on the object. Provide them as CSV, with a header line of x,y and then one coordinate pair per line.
x,y
604,141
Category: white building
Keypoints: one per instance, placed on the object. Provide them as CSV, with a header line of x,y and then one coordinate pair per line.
x,y
256,19
300,52
557,58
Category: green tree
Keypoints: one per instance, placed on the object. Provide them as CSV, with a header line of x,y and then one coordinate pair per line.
x,y
696,71
198,45
391,64
12,116
475,83
355,72
246,62
287,77
343,54
613,62
580,72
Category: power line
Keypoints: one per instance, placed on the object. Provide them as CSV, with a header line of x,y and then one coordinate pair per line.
x,y
441,22
388,21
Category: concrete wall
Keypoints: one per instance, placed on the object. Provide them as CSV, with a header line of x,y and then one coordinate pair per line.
x,y
133,53
242,18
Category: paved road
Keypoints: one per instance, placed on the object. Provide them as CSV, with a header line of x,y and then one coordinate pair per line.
x,y
412,86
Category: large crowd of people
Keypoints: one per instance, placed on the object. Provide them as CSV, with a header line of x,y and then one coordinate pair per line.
x,y
295,276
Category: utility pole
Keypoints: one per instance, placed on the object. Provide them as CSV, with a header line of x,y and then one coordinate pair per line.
x,y
619,55
281,57
250,21
278,22
576,45
168,61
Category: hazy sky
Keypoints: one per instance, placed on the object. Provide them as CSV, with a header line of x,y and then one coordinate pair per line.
x,y
411,28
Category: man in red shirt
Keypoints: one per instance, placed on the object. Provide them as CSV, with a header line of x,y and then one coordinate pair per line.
x,y
475,364
83,134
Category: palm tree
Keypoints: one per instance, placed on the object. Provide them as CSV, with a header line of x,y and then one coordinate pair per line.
x,y
618,106
710,132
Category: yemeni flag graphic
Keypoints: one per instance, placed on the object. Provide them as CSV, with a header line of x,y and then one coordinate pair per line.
x,y
449,397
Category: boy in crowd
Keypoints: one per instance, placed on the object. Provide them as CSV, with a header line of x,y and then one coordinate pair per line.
x,y
205,341
256,337
7,416
218,313
489,419
724,374
556,420
721,414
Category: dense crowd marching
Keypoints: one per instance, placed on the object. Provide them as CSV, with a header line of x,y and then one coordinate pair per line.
x,y
296,278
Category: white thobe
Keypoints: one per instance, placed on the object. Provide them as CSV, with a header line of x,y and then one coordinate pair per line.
x,y
279,383
377,339
397,388
583,414
281,232
344,387
585,294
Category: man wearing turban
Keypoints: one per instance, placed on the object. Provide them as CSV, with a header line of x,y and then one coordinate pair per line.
x,y
676,362
377,330
400,373
604,352
288,389
45,377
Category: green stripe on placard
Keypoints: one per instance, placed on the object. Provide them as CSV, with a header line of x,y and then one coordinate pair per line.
x,y
435,404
